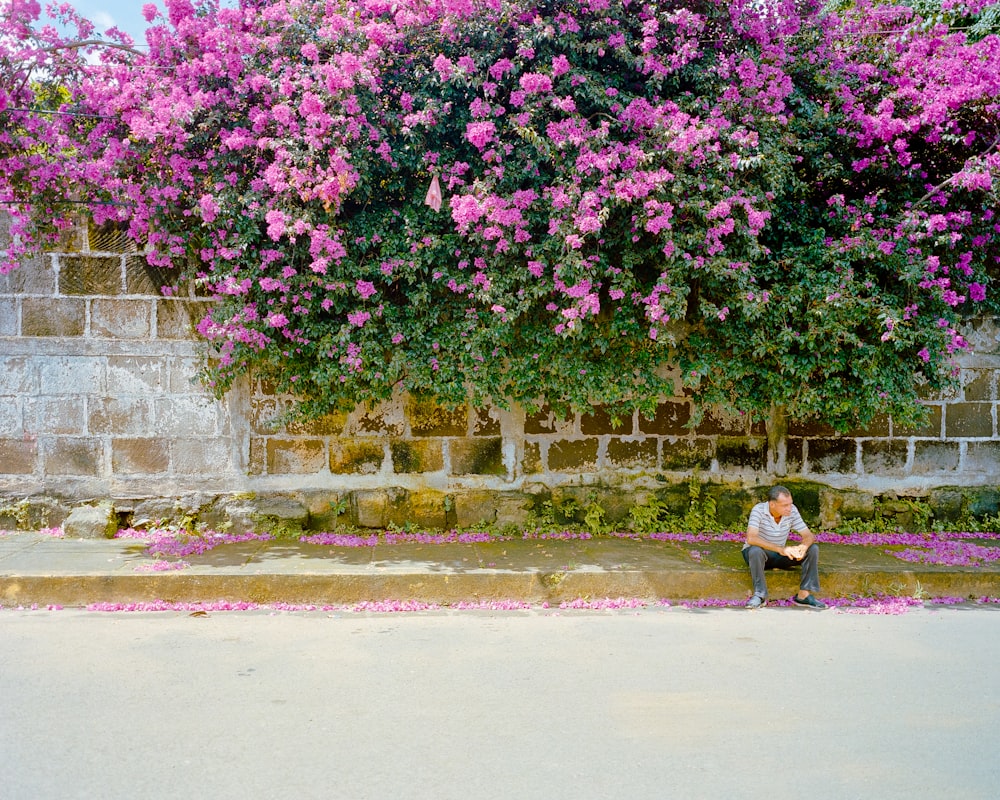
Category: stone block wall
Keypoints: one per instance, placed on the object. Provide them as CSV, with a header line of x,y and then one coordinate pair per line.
x,y
97,390
99,399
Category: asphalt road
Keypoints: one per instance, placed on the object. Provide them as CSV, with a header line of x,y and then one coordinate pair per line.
x,y
665,703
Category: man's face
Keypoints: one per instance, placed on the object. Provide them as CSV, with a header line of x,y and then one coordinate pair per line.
x,y
782,506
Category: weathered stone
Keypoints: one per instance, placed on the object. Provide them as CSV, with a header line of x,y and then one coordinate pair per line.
x,y
486,422
671,419
426,508
59,416
71,239
70,375
983,457
12,419
741,453
385,419
832,455
33,276
327,425
18,456
160,511
601,422
978,384
547,421
281,508
983,500
968,419
145,456
531,461
136,374
201,456
295,456
90,275
121,319
878,427
53,316
257,462
327,509
930,428
72,456
357,456
91,522
626,454
265,415
369,508
31,513
932,457
143,278
732,505
884,458
716,422
8,317
835,506
576,455
187,415
476,508
17,376
176,318
428,418
947,502
513,508
477,457
794,455
128,415
684,455
422,455
809,428
109,237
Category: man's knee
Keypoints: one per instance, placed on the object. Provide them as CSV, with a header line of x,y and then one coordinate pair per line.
x,y
754,553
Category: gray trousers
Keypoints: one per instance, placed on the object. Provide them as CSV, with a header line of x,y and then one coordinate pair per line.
x,y
759,559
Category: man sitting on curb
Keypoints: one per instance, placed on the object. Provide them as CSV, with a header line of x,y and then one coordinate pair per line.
x,y
766,548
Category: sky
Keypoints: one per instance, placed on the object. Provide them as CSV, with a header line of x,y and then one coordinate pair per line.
x,y
125,14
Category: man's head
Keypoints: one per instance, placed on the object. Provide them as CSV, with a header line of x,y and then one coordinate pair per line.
x,y
779,501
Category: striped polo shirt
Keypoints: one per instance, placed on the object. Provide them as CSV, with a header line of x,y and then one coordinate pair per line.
x,y
775,533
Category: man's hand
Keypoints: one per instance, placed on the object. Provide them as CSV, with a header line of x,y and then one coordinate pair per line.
x,y
797,552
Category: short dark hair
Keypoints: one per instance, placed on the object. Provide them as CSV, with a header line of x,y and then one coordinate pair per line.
x,y
778,491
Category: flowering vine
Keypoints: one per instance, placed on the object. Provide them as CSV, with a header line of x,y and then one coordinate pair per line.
x,y
536,201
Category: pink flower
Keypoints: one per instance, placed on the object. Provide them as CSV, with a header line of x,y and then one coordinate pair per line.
x,y
977,292
365,288
536,83
209,208
443,67
501,68
480,134
924,355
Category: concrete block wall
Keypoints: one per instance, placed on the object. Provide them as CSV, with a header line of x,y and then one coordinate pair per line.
x,y
99,399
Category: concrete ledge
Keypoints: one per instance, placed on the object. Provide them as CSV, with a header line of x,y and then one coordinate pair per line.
x,y
36,569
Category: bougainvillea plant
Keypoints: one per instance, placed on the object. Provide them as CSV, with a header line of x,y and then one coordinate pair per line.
x,y
589,203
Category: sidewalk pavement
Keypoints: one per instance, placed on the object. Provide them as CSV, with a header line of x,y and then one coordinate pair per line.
x,y
36,568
